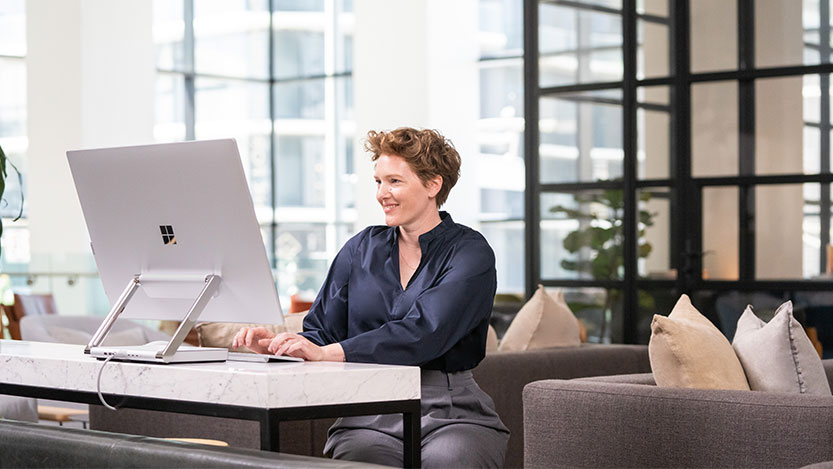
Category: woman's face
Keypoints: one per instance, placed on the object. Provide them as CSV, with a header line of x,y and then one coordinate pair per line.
x,y
404,198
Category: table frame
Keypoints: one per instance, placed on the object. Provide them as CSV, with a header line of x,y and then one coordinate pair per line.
x,y
269,418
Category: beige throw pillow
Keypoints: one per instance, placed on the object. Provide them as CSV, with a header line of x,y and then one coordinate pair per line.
x,y
544,321
491,340
221,334
687,351
778,356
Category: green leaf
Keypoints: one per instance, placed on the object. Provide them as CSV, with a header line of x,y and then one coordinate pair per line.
x,y
645,249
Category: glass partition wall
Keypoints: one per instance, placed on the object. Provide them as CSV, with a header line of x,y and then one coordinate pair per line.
x,y
678,146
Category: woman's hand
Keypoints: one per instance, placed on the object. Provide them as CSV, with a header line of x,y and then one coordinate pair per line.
x,y
296,345
256,339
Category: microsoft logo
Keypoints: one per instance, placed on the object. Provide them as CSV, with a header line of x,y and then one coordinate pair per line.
x,y
167,234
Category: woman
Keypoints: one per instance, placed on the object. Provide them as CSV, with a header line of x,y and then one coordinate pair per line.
x,y
417,291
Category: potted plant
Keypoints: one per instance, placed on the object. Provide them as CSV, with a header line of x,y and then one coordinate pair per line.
x,y
601,234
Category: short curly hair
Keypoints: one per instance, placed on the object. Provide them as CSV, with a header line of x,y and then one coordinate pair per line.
x,y
427,152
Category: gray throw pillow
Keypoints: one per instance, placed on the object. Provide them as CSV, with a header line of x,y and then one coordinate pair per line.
x,y
778,356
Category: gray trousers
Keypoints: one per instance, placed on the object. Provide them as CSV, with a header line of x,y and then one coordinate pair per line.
x,y
460,428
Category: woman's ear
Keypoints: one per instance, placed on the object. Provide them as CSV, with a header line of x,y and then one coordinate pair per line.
x,y
434,185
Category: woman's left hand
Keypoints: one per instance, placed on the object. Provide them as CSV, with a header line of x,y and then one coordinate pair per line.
x,y
295,345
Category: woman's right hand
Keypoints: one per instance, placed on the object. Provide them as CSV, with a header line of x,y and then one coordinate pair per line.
x,y
256,339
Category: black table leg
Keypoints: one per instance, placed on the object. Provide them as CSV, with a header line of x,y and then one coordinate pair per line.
x,y
412,436
270,431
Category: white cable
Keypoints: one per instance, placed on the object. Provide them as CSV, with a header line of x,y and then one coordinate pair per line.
x,y
98,383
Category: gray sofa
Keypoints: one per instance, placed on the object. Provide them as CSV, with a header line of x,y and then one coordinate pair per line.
x,y
501,375
24,445
626,421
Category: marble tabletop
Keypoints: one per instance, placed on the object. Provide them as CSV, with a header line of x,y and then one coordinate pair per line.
x,y
263,385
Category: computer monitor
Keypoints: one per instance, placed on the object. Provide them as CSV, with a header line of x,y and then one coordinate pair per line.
x,y
170,215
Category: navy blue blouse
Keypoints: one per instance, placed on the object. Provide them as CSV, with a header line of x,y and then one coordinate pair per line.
x,y
438,322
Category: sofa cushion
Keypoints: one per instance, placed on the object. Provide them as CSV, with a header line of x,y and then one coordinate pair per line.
x,y
68,335
221,334
778,356
687,351
544,321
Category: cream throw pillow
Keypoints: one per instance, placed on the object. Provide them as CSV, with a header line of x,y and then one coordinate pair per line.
x,y
778,356
544,321
687,351
221,334
491,340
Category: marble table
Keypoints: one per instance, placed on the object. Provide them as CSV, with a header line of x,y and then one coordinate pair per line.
x,y
266,392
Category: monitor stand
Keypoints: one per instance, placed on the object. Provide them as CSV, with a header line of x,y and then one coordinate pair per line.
x,y
170,352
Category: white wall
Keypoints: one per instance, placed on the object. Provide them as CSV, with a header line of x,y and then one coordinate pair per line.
x,y
415,65
91,83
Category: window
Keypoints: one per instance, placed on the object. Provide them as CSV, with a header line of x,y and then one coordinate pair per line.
x,y
276,76
13,133
500,138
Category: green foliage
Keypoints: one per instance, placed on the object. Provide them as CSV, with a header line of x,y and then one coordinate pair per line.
x,y
601,217
601,231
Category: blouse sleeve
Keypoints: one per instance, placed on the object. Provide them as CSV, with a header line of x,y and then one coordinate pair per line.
x,y
326,321
440,316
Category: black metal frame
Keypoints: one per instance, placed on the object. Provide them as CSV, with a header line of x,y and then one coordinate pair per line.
x,y
269,418
685,189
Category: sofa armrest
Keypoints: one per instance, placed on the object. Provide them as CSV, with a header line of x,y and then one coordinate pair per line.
x,y
592,423
503,375
31,445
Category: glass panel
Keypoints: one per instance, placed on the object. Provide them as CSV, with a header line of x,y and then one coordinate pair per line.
x,y
299,5
299,178
168,34
13,114
787,231
578,45
502,90
781,31
653,57
13,27
713,35
501,28
582,235
507,241
299,100
652,301
232,38
714,129
239,109
170,108
779,126
581,137
654,251
720,233
598,309
500,166
299,52
302,258
653,130
13,135
346,177
811,93
345,22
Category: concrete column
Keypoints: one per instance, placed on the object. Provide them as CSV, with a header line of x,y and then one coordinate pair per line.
x,y
407,73
91,83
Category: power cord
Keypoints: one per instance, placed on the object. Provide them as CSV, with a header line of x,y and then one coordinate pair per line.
x,y
98,383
